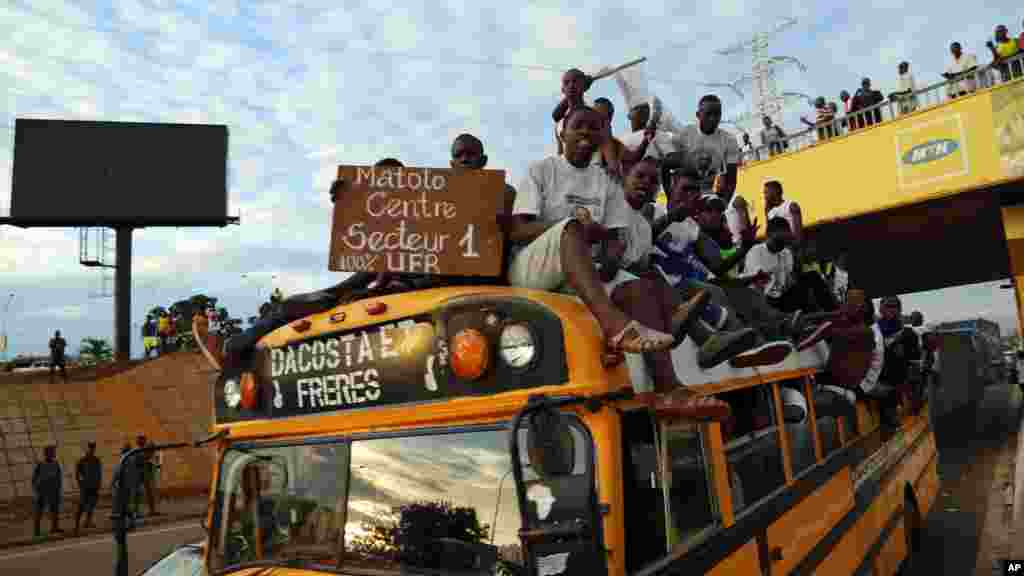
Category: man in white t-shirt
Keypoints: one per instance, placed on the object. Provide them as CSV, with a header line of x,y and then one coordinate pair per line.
x,y
811,283
717,155
775,261
960,72
563,208
702,325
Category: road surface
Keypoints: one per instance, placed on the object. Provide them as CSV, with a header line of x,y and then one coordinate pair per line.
x,y
94,556
973,443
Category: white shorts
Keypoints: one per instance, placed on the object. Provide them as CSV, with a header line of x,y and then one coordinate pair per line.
x,y
538,265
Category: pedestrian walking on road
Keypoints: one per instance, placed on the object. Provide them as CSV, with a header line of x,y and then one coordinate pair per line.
x,y
47,490
130,480
146,478
89,474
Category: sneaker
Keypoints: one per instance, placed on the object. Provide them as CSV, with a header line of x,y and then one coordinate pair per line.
x,y
722,346
766,354
817,334
681,403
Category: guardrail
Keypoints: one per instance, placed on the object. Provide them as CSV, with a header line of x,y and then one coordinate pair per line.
x,y
894,107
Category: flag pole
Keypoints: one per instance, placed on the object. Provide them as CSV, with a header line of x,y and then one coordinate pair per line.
x,y
629,64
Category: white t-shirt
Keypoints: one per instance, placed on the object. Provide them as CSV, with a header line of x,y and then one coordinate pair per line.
x,y
639,241
783,210
553,189
870,381
840,284
778,266
966,62
718,149
905,83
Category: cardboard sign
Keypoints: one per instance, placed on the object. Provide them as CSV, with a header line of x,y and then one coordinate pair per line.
x,y
418,220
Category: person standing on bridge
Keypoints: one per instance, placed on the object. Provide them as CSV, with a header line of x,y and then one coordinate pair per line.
x,y
960,72
57,346
89,474
47,490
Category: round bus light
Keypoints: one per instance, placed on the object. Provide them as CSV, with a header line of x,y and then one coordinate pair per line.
x,y
250,391
517,346
232,393
471,354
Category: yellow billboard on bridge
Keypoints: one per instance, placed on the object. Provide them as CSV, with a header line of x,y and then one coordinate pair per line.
x,y
935,152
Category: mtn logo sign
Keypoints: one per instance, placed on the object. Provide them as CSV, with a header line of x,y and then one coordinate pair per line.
x,y
930,151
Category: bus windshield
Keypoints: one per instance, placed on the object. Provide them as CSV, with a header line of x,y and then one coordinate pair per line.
x,y
439,501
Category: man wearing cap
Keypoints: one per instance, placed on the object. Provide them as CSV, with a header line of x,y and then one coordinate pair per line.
x,y
89,475
689,258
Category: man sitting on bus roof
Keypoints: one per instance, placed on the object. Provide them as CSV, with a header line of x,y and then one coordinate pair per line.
x,y
564,206
642,293
632,260
689,259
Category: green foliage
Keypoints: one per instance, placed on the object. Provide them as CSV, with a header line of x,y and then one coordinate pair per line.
x,y
412,533
95,350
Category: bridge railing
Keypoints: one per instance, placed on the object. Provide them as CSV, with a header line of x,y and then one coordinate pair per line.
x,y
894,107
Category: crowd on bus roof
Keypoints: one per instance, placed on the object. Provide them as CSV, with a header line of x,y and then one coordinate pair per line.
x,y
861,109
584,221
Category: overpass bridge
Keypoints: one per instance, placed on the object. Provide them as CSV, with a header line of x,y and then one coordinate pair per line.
x,y
930,199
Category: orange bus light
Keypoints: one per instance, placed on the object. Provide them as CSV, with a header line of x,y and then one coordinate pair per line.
x,y
250,391
471,354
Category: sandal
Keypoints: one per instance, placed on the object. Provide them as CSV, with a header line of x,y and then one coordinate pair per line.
x,y
681,315
637,338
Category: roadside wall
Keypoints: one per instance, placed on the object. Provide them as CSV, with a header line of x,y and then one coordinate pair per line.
x,y
167,399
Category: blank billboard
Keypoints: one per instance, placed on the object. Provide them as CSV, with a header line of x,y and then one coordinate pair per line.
x,y
76,173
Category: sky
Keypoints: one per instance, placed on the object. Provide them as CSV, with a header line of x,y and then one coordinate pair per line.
x,y
306,86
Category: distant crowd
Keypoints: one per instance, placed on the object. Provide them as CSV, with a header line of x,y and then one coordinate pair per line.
x,y
863,108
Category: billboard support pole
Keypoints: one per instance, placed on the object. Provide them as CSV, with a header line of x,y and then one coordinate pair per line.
x,y
123,295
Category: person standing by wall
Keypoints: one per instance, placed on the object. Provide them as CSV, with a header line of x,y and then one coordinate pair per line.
x,y
89,474
47,489
57,346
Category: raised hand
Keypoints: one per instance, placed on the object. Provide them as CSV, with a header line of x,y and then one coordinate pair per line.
x,y
749,234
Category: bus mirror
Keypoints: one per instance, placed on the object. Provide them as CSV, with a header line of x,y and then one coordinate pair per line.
x,y
550,445
916,319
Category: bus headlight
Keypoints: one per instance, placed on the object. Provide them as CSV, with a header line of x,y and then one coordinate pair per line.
x,y
232,393
517,346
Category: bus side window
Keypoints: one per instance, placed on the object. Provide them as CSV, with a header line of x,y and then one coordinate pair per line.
x,y
692,507
642,491
798,426
755,459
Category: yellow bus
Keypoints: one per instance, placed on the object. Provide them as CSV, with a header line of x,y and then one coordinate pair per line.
x,y
479,430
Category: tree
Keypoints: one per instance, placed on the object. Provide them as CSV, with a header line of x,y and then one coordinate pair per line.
x,y
415,533
95,350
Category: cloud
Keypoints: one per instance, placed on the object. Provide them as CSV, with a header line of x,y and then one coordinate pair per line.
x,y
72,312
